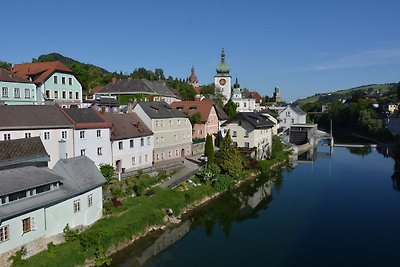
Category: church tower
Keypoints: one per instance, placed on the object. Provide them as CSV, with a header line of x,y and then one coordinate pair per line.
x,y
222,79
192,80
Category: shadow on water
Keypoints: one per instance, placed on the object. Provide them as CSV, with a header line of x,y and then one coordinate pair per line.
x,y
236,205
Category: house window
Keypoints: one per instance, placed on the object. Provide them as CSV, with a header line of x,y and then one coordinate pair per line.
x,y
186,122
70,81
146,158
157,156
287,113
246,134
156,123
98,133
46,135
77,206
170,154
83,152
140,159
176,152
26,225
77,95
99,152
4,233
162,123
82,134
90,200
246,144
47,94
55,79
162,139
162,155
200,132
131,143
148,140
64,134
27,93
234,134
175,137
170,122
56,94
7,136
70,95
179,122
120,145
64,95
142,141
157,140
284,120
133,160
4,92
17,93
239,123
292,120
63,80
28,135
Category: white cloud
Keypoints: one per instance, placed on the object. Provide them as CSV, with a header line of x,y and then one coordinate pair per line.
x,y
364,59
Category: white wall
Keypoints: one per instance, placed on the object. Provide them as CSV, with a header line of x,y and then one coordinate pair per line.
x,y
288,117
51,145
91,142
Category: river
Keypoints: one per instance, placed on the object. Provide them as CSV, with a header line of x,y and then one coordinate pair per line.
x,y
338,210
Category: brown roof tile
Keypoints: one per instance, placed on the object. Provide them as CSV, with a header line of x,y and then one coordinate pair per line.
x,y
40,71
127,125
25,148
8,76
192,107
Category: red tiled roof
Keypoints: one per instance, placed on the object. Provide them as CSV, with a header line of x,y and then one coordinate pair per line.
x,y
192,107
254,95
8,76
39,71
127,125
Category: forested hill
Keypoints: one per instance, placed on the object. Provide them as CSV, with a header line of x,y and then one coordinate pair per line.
x,y
88,75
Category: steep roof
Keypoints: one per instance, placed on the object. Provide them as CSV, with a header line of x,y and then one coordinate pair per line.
x,y
127,125
19,150
254,95
192,107
220,112
40,71
32,117
136,86
86,118
160,110
298,110
254,119
8,76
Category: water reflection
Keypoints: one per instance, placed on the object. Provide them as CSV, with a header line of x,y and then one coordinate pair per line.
x,y
361,151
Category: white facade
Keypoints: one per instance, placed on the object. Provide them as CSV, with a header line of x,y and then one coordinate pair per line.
x,y
49,221
290,115
58,143
132,154
223,84
94,143
245,104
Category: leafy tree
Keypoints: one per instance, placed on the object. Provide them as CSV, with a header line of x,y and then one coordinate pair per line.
x,y
195,118
230,108
107,171
209,150
5,65
208,90
228,157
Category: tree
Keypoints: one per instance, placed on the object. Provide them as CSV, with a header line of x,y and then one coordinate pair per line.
x,y
209,150
5,65
228,157
195,118
107,171
230,108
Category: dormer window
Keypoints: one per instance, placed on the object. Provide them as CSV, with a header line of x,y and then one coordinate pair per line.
x,y
55,80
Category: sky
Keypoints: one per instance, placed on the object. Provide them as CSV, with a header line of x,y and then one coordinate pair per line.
x,y
303,47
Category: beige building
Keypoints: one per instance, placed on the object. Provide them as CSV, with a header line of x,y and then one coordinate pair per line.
x,y
250,130
172,130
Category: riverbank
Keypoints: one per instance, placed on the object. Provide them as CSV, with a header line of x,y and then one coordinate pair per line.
x,y
136,217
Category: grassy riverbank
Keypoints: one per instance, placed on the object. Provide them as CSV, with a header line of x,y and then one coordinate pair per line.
x,y
134,218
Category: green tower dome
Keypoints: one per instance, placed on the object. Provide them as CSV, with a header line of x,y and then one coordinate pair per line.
x,y
222,67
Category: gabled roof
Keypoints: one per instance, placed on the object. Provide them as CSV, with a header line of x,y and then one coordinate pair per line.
x,y
220,112
40,71
86,118
192,107
8,76
254,119
254,95
21,150
136,86
296,109
160,110
15,117
126,125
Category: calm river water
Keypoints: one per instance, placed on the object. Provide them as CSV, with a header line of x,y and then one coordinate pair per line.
x,y
342,210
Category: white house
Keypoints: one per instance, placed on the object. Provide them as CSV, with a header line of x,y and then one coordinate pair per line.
x,y
36,203
54,81
91,135
291,115
250,130
242,104
132,142
46,121
16,90
172,130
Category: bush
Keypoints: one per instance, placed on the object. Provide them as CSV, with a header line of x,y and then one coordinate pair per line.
x,y
69,234
223,182
107,171
17,257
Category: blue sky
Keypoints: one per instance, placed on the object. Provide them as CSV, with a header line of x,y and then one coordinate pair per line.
x,y
302,47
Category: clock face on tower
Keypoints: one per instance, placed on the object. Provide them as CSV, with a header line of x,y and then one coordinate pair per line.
x,y
222,82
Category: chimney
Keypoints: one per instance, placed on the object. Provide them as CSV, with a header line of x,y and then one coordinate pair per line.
x,y
130,106
114,80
